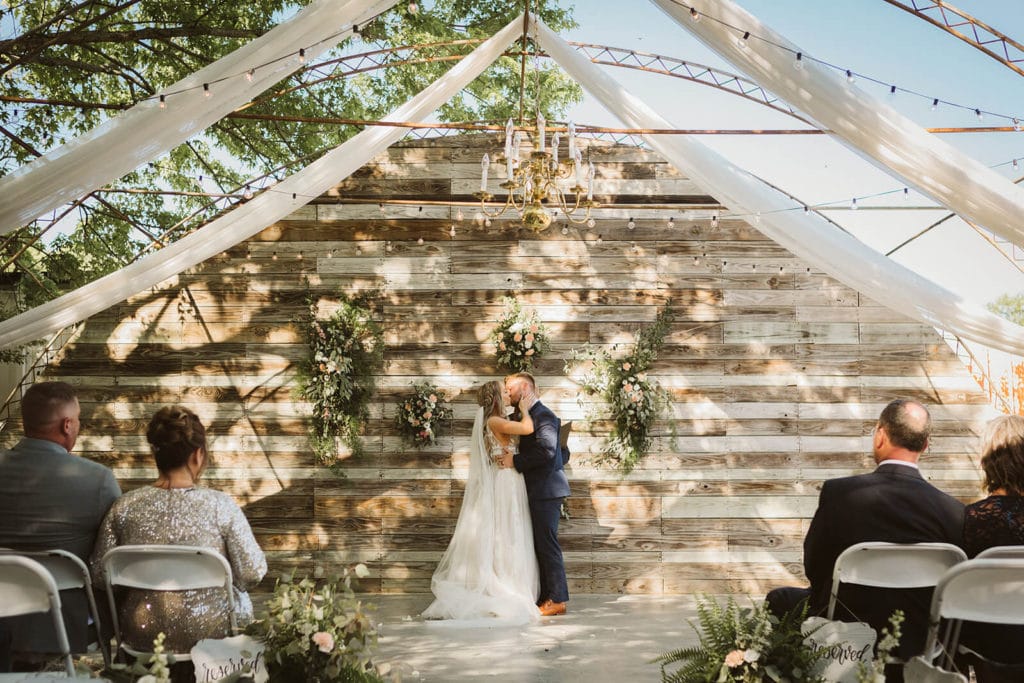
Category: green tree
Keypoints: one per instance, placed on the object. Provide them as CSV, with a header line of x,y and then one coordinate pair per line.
x,y
67,66
1009,306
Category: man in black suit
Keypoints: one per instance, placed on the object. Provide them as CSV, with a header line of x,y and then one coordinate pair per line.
x,y
893,504
50,499
541,461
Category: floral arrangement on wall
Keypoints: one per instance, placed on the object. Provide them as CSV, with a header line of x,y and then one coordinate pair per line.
x,y
337,377
633,400
520,338
421,413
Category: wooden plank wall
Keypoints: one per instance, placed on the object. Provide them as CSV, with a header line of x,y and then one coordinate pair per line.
x,y
776,371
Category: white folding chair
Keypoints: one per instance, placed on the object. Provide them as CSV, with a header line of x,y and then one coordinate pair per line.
x,y
917,670
985,590
70,573
1002,552
892,565
26,587
166,568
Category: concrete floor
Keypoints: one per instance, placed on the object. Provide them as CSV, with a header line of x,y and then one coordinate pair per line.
x,y
601,638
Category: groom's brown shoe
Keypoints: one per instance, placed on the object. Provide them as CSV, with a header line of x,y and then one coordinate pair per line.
x,y
551,609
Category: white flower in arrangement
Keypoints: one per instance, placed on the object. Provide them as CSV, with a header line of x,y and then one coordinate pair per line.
x,y
361,571
751,656
516,327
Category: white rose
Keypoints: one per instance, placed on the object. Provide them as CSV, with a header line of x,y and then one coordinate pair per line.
x,y
518,327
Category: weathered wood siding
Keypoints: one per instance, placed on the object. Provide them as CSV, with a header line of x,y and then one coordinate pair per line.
x,y
776,371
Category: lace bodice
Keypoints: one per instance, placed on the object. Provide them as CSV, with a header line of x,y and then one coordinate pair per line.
x,y
495,449
996,520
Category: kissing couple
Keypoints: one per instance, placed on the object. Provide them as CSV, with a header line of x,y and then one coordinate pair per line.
x,y
504,559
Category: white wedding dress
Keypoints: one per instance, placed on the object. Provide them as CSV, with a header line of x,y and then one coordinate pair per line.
x,y
489,569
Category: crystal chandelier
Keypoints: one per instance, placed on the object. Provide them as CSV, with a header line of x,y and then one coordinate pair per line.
x,y
535,184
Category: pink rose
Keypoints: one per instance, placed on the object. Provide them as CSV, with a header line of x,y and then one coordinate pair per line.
x,y
534,328
628,387
626,366
427,415
517,338
733,659
433,398
529,352
501,346
529,337
325,642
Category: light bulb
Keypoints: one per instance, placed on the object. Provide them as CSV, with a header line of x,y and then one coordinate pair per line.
x,y
294,197
906,193
1014,164
892,91
631,224
671,222
249,74
451,231
741,43
694,14
565,230
273,257
935,104
388,247
248,192
977,112
696,261
599,239
163,102
591,223
850,78
807,209
479,217
302,55
206,90
798,63
487,222
853,204
419,241
458,215
714,220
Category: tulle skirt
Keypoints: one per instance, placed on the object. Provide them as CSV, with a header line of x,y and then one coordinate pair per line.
x,y
489,569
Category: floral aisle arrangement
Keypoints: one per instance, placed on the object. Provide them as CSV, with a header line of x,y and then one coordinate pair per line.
x,y
318,634
345,353
421,412
520,338
633,400
746,645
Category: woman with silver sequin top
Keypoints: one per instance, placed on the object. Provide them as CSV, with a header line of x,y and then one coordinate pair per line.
x,y
173,510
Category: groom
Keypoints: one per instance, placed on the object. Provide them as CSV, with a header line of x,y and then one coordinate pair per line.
x,y
541,461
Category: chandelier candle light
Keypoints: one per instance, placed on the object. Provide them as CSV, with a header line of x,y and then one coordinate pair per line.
x,y
537,180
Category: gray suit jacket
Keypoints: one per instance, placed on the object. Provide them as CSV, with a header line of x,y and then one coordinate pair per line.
x,y
51,499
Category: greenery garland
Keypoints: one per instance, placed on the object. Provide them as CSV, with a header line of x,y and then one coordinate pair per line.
x,y
519,338
421,412
634,401
346,351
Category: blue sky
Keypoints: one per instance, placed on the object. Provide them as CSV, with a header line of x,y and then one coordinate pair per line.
x,y
869,37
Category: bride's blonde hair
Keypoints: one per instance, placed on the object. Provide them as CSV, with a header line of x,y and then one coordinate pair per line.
x,y
489,396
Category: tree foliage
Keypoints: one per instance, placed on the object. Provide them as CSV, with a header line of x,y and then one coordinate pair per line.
x,y
1009,306
65,67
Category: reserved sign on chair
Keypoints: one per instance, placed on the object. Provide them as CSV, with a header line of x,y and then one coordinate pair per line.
x,y
846,646
216,659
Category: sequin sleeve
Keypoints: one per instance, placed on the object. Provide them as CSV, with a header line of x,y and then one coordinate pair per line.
x,y
106,540
248,563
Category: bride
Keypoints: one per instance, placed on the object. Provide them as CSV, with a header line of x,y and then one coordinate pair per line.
x,y
489,568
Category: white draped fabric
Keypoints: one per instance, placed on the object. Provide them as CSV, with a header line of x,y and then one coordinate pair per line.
x,y
144,132
868,126
808,236
248,219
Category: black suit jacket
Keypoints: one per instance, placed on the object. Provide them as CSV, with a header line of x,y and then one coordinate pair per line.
x,y
894,504
540,458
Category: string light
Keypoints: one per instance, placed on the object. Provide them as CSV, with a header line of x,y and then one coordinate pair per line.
x,y
977,112
206,90
853,204
599,239
565,230
419,241
892,91
694,14
935,104
1014,164
906,193
714,220
248,192
741,43
458,215
798,64
163,102
849,76
631,224
249,74
302,55
671,222
451,230
591,223
294,197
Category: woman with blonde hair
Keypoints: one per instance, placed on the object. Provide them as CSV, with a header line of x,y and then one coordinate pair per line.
x,y
995,521
489,569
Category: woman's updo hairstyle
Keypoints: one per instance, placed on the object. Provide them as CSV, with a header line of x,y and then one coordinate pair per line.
x,y
489,396
174,433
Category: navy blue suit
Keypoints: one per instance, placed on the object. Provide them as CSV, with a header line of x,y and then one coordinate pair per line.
x,y
541,461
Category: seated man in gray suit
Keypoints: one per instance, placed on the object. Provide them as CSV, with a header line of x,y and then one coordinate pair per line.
x,y
50,499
